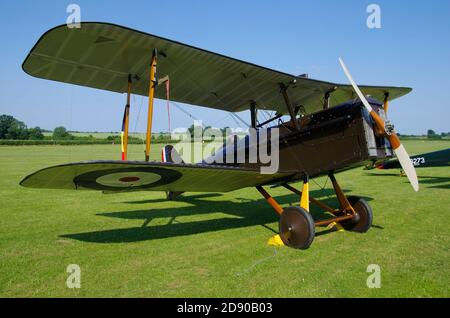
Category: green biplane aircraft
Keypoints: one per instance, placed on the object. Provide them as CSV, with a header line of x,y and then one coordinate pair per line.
x,y
331,127
440,158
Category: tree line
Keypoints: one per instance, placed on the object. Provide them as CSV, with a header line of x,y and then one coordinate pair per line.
x,y
15,132
14,129
431,134
11,128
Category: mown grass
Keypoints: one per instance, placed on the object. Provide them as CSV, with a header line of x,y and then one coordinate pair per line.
x,y
214,245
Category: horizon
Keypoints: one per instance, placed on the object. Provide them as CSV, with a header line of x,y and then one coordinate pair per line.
x,y
184,129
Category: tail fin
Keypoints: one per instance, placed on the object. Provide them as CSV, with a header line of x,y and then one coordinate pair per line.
x,y
169,154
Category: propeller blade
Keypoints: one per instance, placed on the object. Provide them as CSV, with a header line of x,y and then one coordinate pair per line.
x,y
407,166
356,88
399,150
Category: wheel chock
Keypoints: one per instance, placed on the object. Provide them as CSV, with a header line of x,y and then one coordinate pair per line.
x,y
275,241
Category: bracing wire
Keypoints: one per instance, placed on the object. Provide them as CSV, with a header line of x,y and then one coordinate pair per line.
x,y
233,115
183,110
70,118
264,115
235,120
218,97
201,87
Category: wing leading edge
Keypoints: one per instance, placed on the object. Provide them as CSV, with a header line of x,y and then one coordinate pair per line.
x,y
146,176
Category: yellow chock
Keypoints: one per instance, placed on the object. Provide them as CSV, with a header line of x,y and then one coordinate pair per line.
x,y
336,226
275,241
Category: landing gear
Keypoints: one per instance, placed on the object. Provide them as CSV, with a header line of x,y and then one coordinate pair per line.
x,y
297,228
362,221
172,195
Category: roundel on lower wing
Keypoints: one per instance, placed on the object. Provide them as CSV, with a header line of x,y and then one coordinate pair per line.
x,y
127,178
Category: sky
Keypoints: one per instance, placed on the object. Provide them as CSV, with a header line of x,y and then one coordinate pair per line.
x,y
412,48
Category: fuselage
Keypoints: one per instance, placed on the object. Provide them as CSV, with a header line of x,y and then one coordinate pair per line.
x,y
334,139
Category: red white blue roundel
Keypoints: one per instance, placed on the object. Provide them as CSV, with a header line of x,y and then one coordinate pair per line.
x,y
127,178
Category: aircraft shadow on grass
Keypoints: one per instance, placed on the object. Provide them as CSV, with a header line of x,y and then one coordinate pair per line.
x,y
436,182
246,213
429,181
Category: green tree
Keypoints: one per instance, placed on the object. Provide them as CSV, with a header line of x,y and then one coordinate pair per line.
x,y
5,122
35,133
11,128
431,134
17,130
60,133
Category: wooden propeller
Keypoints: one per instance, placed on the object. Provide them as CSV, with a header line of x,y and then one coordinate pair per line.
x,y
389,133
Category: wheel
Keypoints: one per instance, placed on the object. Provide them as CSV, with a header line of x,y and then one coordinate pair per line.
x,y
297,228
362,222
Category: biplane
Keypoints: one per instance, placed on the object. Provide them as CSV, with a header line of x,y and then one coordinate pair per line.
x,y
440,158
329,128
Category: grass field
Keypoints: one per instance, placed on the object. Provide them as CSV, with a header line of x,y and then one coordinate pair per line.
x,y
214,245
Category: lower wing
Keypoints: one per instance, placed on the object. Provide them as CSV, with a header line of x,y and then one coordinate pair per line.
x,y
120,176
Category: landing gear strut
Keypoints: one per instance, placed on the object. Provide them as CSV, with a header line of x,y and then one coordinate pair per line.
x,y
297,226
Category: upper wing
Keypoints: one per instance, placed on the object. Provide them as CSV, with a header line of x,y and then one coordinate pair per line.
x,y
102,55
150,176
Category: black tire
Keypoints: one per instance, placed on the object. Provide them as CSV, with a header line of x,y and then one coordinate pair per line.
x,y
362,222
297,228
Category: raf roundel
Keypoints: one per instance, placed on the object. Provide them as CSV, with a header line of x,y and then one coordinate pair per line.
x,y
127,178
